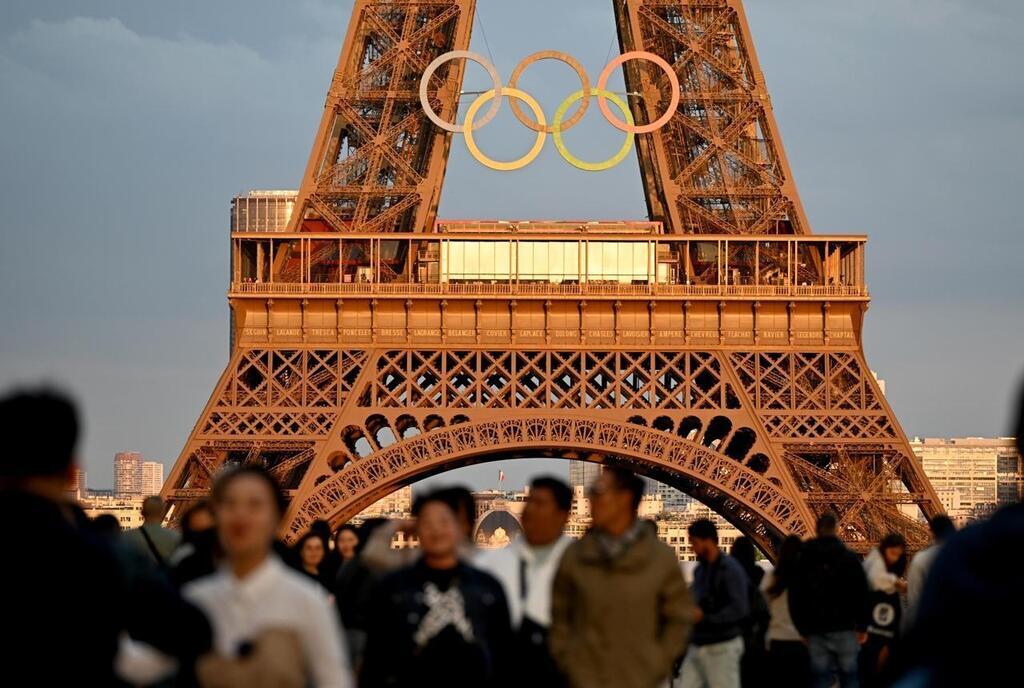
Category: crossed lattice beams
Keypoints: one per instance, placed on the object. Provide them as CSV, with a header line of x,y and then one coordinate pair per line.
x,y
378,162
717,166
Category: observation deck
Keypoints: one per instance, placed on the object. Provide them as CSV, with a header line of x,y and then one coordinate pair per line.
x,y
548,283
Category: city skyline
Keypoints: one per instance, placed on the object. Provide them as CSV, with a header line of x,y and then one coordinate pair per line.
x,y
930,305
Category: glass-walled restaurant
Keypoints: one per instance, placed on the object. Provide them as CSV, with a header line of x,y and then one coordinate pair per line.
x,y
602,264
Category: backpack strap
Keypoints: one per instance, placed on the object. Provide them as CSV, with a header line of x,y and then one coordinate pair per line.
x,y
152,548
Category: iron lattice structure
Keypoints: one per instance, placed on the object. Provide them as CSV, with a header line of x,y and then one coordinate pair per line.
x,y
366,356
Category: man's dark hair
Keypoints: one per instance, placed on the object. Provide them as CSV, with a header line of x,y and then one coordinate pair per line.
x,y
224,480
153,507
826,525
629,481
942,527
703,529
106,525
461,500
40,429
559,490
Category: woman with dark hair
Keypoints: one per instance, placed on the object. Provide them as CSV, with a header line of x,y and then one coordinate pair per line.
x,y
271,625
346,540
752,662
885,567
352,590
311,553
788,661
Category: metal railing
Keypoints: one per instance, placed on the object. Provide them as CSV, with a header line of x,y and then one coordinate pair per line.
x,y
544,289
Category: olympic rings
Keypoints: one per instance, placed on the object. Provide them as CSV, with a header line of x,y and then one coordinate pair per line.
x,y
572,159
539,124
672,78
425,81
561,57
538,144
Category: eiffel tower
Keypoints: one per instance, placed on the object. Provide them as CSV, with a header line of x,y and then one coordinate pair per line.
x,y
715,346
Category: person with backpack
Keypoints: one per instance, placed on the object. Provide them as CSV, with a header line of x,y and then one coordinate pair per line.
x,y
151,540
828,600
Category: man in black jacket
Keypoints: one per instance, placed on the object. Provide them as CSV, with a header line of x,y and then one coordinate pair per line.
x,y
439,621
828,601
56,573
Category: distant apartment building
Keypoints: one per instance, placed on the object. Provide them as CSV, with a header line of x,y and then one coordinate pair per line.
x,y
127,509
133,475
78,487
583,473
973,476
398,504
128,473
152,477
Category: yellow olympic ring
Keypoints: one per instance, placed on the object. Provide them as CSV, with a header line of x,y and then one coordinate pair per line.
x,y
611,162
558,127
538,144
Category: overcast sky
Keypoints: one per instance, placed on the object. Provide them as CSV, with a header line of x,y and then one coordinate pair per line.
x,y
127,125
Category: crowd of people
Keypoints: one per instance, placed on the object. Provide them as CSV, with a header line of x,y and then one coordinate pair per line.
x,y
220,601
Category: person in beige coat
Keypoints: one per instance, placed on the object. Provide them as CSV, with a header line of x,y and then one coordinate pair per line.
x,y
621,614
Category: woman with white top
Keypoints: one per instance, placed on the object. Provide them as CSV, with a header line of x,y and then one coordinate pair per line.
x,y
884,567
788,661
272,626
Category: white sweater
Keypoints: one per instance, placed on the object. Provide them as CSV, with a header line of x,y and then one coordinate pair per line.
x,y
504,564
879,577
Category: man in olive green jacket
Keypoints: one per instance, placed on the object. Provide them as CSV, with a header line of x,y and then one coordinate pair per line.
x,y
621,612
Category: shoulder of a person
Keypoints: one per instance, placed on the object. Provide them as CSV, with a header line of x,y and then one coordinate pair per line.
x,y
495,557
578,549
480,575
731,564
300,585
205,588
664,554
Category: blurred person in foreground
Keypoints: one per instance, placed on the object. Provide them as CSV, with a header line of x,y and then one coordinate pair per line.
x,y
721,591
828,599
788,663
620,611
151,540
272,625
378,554
964,631
755,625
526,569
196,556
332,558
439,621
62,571
920,566
885,567
346,543
312,555
353,588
